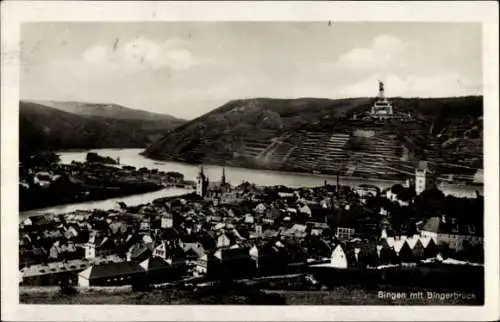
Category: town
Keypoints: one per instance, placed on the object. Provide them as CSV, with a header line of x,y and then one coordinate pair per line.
x,y
408,235
331,234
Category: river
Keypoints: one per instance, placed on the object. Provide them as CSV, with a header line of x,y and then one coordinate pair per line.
x,y
234,175
132,200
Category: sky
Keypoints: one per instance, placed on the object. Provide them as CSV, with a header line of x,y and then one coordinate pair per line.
x,y
186,69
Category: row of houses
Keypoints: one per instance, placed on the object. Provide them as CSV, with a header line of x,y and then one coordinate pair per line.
x,y
265,231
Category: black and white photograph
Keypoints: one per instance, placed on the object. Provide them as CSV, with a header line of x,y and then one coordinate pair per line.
x,y
317,162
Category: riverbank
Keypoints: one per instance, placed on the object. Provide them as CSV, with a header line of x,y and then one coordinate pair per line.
x,y
39,200
130,200
311,172
235,176
50,184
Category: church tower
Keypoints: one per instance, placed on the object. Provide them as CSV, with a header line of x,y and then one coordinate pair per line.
x,y
223,178
424,179
201,183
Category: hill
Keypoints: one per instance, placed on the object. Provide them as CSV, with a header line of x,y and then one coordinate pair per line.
x,y
46,128
109,110
330,136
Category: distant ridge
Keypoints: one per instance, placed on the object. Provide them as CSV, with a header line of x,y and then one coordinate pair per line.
x,y
106,110
89,126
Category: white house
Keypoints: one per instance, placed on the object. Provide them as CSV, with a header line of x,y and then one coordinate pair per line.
x,y
260,208
167,222
338,258
160,251
306,210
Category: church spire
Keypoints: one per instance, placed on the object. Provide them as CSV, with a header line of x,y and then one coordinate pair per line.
x,y
223,179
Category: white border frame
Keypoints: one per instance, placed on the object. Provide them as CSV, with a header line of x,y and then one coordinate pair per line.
x,y
14,13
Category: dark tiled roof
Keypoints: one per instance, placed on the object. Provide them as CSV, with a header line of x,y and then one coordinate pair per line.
x,y
155,263
139,249
111,270
432,224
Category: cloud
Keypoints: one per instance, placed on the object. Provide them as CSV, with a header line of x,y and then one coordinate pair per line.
x,y
384,52
96,54
141,53
443,85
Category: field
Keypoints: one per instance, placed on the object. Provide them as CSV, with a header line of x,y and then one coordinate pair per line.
x,y
252,296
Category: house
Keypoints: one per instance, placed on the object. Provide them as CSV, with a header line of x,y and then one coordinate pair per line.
x,y
306,210
260,209
365,190
118,228
296,231
159,270
99,245
112,274
402,249
167,221
193,251
437,229
295,254
207,265
71,232
145,224
318,227
43,179
51,273
430,247
27,222
31,256
417,248
355,259
268,259
234,261
55,250
338,259
377,254
39,221
140,251
56,272
224,241
257,233
272,215
344,233
249,219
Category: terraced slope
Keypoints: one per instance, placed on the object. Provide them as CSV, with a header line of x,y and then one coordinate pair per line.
x,y
320,135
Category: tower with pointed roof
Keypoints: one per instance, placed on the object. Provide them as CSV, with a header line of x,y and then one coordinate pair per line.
x,y
223,178
201,183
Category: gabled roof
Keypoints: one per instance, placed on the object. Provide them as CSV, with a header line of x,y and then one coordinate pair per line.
x,y
111,270
426,240
232,253
413,242
154,263
306,210
196,248
273,212
432,225
138,249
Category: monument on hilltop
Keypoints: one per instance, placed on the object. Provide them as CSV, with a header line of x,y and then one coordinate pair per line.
x,y
382,108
